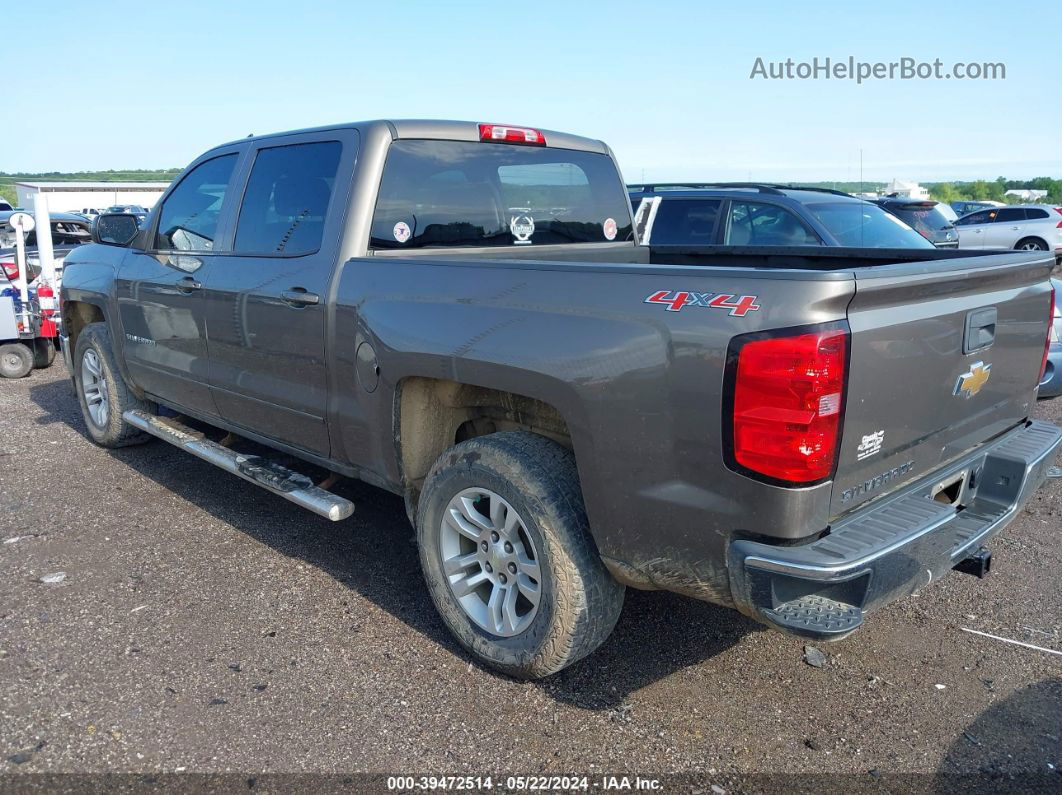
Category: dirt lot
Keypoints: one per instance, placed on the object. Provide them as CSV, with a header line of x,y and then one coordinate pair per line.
x,y
203,625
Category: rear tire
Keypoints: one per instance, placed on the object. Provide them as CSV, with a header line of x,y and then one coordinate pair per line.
x,y
1031,244
16,360
540,530
43,353
103,393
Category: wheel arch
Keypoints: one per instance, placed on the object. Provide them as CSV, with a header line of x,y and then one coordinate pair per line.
x,y
77,315
433,414
1030,238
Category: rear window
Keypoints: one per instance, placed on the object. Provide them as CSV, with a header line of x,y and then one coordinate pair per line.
x,y
865,225
455,193
925,220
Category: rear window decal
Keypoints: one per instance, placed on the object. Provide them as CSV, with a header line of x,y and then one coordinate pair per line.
x,y
522,227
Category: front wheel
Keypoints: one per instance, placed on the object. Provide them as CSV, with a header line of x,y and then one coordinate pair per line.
x,y
508,557
102,392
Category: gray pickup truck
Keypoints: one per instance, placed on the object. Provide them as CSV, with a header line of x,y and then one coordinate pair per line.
x,y
460,313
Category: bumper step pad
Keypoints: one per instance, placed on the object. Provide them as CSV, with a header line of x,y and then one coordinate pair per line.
x,y
889,549
816,616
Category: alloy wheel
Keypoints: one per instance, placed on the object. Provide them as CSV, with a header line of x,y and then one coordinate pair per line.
x,y
490,562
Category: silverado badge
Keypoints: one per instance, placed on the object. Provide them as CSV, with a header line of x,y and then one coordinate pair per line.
x,y
970,383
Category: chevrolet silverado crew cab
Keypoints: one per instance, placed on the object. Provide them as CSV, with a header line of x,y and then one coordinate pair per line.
x,y
460,313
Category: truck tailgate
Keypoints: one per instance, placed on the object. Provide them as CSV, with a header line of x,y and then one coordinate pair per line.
x,y
944,357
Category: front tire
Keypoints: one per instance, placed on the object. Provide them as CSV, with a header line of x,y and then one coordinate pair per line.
x,y
16,360
103,393
508,558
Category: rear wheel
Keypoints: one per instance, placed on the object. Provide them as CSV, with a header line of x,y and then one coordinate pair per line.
x,y
43,353
508,557
16,360
102,392
1031,244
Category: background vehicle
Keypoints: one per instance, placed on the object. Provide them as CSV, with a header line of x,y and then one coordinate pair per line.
x,y
459,313
746,214
130,209
966,207
1028,227
4,206
68,232
924,216
947,211
1051,385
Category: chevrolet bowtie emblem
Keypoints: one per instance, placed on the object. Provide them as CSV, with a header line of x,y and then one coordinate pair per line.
x,y
969,384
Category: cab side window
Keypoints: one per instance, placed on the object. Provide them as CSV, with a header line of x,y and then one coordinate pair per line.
x,y
287,198
188,220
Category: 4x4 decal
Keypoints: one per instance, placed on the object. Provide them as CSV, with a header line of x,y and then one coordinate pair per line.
x,y
676,300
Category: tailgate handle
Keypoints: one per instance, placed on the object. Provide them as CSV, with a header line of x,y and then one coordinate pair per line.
x,y
980,330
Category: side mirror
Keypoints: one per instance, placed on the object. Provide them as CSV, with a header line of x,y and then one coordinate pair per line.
x,y
115,229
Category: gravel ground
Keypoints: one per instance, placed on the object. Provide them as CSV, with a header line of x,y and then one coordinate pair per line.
x,y
204,625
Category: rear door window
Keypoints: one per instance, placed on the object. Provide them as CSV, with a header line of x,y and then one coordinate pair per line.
x,y
456,193
1009,215
687,221
760,224
189,217
286,200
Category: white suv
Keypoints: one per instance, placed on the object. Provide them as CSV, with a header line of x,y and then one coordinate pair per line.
x,y
1030,227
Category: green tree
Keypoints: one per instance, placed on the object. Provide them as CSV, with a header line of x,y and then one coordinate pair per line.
x,y
945,192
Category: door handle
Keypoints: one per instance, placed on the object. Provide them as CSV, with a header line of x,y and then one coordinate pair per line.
x,y
980,329
187,284
1015,228
297,296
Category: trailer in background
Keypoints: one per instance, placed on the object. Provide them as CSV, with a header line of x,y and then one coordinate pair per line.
x,y
29,317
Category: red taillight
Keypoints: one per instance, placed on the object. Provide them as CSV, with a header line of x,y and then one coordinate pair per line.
x,y
788,393
1047,342
10,270
504,134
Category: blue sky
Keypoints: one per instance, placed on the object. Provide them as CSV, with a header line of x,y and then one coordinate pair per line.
x,y
666,84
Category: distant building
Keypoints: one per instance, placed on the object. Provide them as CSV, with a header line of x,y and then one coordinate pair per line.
x,y
73,197
907,190
1027,195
